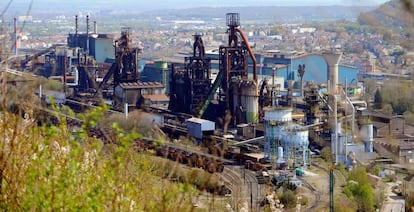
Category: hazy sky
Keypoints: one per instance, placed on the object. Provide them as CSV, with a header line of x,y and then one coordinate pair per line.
x,y
188,3
178,4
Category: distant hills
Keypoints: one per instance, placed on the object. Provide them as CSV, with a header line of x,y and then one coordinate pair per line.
x,y
110,9
395,14
271,13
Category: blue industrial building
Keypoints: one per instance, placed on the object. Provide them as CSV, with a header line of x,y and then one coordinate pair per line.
x,y
278,64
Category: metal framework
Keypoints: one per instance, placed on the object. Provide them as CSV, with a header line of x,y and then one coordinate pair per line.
x,y
190,86
125,68
233,69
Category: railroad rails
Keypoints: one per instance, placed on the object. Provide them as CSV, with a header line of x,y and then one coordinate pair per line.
x,y
316,193
183,155
212,160
191,158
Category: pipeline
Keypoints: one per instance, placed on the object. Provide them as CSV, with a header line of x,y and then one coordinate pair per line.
x,y
250,53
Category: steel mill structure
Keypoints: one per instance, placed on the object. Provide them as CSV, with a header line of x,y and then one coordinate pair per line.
x,y
233,97
286,143
190,85
272,123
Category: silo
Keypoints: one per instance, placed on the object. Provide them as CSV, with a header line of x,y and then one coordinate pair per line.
x,y
338,142
367,136
250,101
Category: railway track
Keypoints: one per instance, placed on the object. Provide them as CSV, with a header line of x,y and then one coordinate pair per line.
x,y
231,178
340,178
339,181
316,194
175,152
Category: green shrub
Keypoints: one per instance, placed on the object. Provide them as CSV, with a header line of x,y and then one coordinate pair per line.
x,y
45,169
288,198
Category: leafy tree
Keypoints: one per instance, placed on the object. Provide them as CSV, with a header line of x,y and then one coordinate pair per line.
x,y
360,190
375,170
409,117
370,86
399,95
378,99
326,154
387,109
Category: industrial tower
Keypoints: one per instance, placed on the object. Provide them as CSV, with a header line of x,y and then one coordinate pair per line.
x,y
190,87
237,94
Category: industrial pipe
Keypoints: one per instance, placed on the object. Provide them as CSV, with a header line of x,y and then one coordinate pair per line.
x,y
250,52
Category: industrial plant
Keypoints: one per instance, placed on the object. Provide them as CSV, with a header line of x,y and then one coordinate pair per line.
x,y
212,96
259,110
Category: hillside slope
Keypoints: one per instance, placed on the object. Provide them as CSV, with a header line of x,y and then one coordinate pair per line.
x,y
395,14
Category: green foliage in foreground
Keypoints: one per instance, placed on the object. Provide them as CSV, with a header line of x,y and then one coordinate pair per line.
x,y
46,169
359,189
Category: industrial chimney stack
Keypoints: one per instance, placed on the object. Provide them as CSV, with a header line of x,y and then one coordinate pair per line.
x,y
87,34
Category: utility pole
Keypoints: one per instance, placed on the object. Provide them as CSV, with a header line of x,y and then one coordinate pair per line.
x,y
331,188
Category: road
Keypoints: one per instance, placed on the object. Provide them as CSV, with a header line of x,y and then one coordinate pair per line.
x,y
393,203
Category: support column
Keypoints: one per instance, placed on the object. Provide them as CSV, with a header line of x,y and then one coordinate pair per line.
x,y
332,60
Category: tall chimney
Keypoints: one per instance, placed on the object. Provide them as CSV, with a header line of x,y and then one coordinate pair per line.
x,y
87,34
76,25
76,32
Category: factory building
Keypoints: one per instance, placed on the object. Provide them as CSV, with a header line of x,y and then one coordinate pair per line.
x,y
100,46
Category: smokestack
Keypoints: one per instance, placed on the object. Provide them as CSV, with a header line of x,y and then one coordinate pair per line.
x,y
95,28
87,34
76,25
15,36
332,59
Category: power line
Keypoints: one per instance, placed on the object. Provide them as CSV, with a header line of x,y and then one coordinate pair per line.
x,y
6,8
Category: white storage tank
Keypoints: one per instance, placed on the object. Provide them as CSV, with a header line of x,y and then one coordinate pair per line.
x,y
280,153
275,120
367,135
279,115
295,143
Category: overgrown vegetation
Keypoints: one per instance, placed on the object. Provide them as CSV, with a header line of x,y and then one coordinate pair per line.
x,y
401,104
359,189
326,154
288,198
45,168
